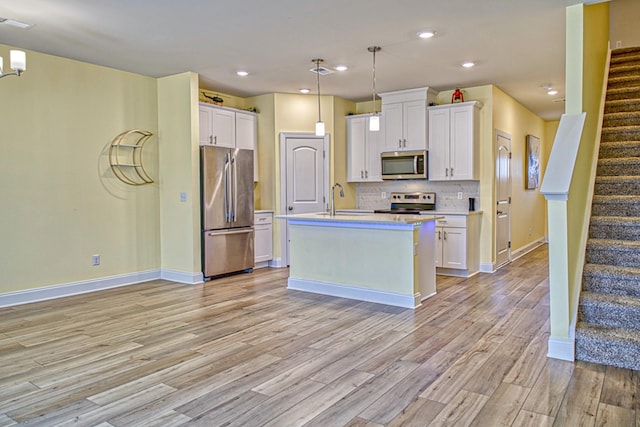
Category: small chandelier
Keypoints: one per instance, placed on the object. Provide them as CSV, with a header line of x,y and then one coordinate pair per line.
x,y
374,121
18,63
319,123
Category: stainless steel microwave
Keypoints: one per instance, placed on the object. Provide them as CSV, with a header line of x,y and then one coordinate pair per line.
x,y
404,164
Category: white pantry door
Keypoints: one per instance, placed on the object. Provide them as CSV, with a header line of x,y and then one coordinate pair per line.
x,y
503,198
305,177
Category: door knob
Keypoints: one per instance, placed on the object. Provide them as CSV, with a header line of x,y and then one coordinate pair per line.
x,y
290,208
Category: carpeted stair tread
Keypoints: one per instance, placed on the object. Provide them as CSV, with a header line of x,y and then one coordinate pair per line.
x,y
619,166
621,133
622,105
610,149
623,93
616,311
624,54
623,253
626,67
623,228
627,118
613,185
615,205
608,346
623,81
611,279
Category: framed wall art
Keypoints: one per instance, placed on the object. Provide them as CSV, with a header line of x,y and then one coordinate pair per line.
x,y
533,162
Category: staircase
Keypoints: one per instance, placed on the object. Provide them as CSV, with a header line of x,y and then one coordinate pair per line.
x,y
608,328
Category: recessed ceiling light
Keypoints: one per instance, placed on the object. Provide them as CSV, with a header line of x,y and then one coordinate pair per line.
x,y
552,92
427,34
469,64
341,68
304,90
242,73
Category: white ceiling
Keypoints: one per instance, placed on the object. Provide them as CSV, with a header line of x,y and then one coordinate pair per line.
x,y
519,45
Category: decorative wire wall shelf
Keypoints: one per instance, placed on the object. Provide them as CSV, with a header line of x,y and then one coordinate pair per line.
x,y
130,170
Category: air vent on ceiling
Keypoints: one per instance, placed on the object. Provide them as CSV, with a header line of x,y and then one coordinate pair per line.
x,y
321,70
14,23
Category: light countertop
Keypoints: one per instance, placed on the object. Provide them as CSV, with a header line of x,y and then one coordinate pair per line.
x,y
363,218
450,212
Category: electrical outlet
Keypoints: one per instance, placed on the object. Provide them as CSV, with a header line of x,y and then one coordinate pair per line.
x,y
618,44
183,196
383,195
459,195
95,259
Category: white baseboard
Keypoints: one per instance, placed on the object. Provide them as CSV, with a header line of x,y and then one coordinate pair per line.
x,y
351,292
487,267
562,348
490,267
76,288
182,277
276,262
520,252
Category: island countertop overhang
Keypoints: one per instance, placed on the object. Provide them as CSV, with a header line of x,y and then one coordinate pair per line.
x,y
360,220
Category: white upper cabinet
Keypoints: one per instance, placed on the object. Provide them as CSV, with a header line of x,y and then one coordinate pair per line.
x,y
246,130
363,151
227,127
405,119
454,135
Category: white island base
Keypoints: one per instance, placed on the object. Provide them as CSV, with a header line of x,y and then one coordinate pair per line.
x,y
387,259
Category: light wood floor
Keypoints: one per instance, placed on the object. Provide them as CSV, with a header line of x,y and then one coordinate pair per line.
x,y
244,351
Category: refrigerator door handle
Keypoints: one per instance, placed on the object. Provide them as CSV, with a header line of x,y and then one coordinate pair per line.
x,y
227,203
234,168
230,233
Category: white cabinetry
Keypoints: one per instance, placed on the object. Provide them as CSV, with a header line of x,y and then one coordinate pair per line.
x,y
247,136
363,152
227,127
457,244
404,117
263,225
453,142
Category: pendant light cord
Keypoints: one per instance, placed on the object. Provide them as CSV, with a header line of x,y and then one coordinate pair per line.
x,y
318,78
374,49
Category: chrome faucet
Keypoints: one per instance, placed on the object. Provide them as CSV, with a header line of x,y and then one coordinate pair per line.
x,y
332,208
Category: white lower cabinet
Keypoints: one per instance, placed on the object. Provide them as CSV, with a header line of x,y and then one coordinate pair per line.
x,y
457,244
263,225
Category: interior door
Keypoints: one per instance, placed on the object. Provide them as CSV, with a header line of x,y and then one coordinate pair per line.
x,y
305,177
503,198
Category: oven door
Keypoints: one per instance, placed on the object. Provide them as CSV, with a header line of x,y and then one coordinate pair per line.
x,y
404,164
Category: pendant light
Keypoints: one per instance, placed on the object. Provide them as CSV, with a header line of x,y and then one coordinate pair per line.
x,y
374,121
319,123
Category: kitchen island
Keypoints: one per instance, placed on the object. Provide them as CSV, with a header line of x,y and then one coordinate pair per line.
x,y
382,258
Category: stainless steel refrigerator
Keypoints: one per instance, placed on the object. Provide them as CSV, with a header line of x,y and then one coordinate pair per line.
x,y
226,179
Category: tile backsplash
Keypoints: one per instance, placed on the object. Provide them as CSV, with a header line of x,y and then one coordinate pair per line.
x,y
369,194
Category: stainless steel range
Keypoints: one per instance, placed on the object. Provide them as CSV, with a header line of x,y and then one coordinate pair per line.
x,y
410,203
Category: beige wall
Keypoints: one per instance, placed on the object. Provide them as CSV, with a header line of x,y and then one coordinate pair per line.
x,y
61,202
179,163
527,206
623,19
